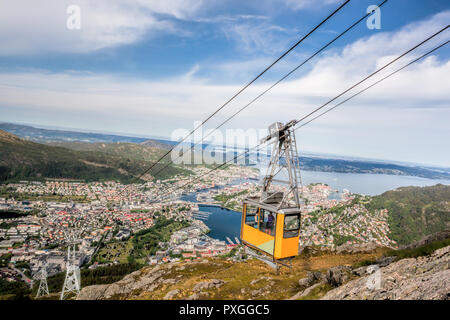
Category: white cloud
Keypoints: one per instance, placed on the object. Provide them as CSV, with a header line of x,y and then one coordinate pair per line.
x,y
181,9
259,37
404,118
309,4
230,18
39,27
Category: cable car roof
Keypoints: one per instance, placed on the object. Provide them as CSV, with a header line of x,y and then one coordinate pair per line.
x,y
255,201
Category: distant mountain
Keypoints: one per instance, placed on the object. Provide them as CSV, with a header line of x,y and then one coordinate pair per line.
x,y
21,159
415,212
80,140
161,144
359,166
47,135
138,152
326,164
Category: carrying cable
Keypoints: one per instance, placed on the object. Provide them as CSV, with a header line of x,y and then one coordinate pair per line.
x,y
270,88
259,146
243,88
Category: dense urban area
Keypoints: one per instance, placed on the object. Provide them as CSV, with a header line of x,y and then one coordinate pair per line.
x,y
112,223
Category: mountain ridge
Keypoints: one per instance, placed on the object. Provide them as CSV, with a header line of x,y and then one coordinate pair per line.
x,y
309,163
22,159
414,212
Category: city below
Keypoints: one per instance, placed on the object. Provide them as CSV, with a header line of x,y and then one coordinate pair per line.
x,y
44,217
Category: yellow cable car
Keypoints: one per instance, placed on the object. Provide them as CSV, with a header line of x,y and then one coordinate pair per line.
x,y
271,223
269,230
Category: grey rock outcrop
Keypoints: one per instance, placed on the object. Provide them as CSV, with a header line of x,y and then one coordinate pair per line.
x,y
171,294
130,284
308,290
438,236
384,261
361,271
420,278
170,281
304,282
317,276
253,282
357,248
206,285
311,278
198,296
199,288
336,276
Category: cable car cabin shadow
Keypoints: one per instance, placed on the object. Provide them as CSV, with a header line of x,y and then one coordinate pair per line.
x,y
271,231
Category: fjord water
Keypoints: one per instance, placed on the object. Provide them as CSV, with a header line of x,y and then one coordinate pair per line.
x,y
222,222
226,223
367,183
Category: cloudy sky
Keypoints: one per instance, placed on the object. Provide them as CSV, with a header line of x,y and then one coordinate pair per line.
x,y
148,67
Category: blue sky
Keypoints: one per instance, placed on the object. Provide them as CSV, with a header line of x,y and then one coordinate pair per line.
x,y
150,67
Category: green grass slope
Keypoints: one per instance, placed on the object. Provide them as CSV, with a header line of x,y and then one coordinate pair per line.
x,y
415,212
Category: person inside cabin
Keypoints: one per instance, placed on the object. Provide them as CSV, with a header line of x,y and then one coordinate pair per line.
x,y
269,224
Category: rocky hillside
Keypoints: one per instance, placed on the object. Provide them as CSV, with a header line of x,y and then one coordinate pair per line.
x,y
422,278
417,273
220,278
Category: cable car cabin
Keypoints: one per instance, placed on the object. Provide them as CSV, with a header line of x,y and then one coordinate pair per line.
x,y
271,223
272,231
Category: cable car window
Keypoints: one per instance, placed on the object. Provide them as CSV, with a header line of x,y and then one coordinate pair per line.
x,y
267,223
291,225
251,217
